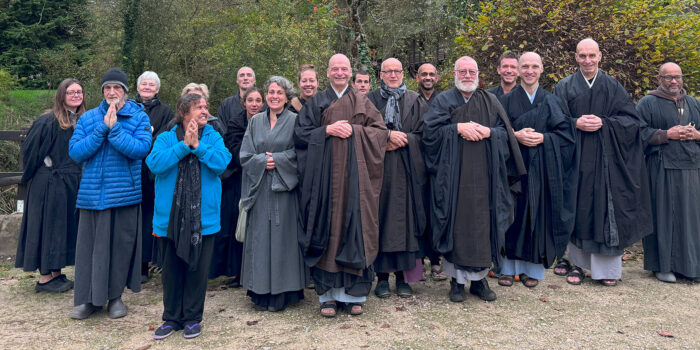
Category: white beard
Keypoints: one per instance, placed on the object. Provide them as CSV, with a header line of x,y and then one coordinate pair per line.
x,y
466,88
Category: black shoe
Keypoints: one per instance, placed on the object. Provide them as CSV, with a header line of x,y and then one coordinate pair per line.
x,y
55,285
457,294
403,289
144,279
116,308
234,283
65,280
192,330
382,289
166,330
82,312
481,289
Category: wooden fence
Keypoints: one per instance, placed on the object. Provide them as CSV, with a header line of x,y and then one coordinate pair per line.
x,y
13,178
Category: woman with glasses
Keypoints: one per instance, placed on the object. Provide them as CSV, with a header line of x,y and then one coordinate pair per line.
x,y
50,221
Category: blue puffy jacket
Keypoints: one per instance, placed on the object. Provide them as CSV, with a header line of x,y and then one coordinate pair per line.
x,y
163,161
111,157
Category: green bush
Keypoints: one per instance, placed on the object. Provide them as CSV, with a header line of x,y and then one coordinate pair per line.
x,y
7,82
635,37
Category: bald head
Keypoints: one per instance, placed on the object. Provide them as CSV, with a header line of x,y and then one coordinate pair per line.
x,y
339,71
671,78
588,57
427,77
668,66
530,56
587,43
530,69
245,78
392,73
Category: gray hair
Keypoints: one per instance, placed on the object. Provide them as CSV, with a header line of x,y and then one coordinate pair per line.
x,y
148,75
196,87
284,83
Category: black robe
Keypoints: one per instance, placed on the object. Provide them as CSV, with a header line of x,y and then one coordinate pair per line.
x,y
613,207
674,178
339,198
229,109
160,115
471,201
402,206
496,90
544,211
50,221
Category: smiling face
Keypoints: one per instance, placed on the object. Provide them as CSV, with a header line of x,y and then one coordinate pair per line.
x,y
530,69
245,78
392,73
508,70
466,75
339,71
427,77
114,93
588,57
253,102
147,89
199,111
276,98
74,96
308,84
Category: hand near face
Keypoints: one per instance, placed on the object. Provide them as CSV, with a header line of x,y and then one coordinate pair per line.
x,y
192,134
341,129
589,123
397,139
111,116
270,161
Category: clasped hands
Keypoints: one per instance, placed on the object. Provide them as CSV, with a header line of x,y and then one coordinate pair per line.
x,y
472,131
192,134
589,123
111,116
529,137
683,133
341,129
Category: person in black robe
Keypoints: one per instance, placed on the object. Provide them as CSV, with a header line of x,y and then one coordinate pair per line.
x,y
673,161
402,214
508,71
160,115
613,207
50,220
308,87
340,141
544,209
231,107
471,155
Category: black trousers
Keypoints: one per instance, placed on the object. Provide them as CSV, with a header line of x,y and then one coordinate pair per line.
x,y
184,290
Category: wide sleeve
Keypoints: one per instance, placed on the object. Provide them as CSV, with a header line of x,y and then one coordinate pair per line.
x,y
253,164
213,155
285,175
166,153
439,134
86,141
36,147
134,145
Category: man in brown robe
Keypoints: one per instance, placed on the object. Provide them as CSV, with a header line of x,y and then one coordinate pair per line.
x,y
340,140
471,155
402,214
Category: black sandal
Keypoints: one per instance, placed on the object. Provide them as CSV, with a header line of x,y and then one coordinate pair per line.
x,y
563,264
505,280
525,279
349,306
333,306
575,272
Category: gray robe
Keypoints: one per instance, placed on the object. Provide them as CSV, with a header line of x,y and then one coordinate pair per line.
x,y
272,259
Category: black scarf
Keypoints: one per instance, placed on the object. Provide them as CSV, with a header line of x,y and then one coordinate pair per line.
x,y
185,224
392,113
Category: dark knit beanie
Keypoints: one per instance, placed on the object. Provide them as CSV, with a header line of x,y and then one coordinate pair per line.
x,y
115,76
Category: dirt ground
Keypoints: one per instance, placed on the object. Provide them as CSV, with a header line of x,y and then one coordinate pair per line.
x,y
554,315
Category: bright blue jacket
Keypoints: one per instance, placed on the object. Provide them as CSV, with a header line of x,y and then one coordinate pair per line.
x,y
111,157
163,161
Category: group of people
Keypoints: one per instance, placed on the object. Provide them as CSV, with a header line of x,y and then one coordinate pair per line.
x,y
327,189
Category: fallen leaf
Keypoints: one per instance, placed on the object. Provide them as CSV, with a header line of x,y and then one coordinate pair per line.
x,y
221,309
431,327
386,325
559,308
620,332
345,326
554,286
385,310
145,347
251,323
4,268
544,300
211,295
151,328
666,334
363,326
400,308
513,299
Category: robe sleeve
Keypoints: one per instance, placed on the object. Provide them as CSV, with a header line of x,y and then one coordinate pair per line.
x,y
285,174
253,165
36,146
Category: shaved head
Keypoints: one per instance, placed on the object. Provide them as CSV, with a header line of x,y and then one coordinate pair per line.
x,y
391,61
338,58
668,66
339,71
588,43
530,55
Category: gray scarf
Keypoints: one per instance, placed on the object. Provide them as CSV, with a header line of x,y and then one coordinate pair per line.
x,y
392,113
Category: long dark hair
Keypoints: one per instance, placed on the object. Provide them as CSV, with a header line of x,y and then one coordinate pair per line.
x,y
183,106
59,105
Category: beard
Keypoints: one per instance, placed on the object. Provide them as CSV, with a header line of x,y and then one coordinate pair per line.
x,y
466,88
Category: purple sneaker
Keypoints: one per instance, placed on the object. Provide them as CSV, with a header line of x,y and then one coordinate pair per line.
x,y
164,331
192,330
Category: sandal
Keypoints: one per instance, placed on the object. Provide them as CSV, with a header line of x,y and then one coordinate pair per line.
x,y
608,282
437,275
562,268
505,280
354,309
529,281
575,272
329,309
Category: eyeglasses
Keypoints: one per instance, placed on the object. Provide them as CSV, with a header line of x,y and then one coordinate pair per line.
x,y
390,72
464,73
426,74
671,77
74,93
